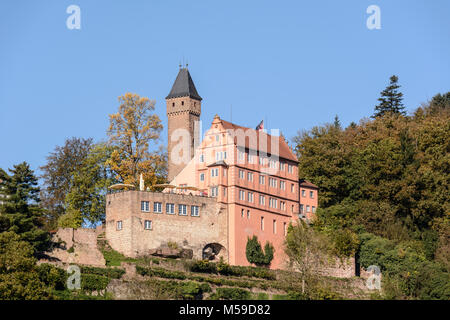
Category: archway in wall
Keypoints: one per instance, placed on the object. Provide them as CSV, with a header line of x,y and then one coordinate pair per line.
x,y
213,251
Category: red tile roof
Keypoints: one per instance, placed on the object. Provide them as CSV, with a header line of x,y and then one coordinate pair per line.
x,y
307,184
283,152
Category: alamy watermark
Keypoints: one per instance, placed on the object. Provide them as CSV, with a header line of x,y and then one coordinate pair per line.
x,y
74,20
374,281
374,20
74,278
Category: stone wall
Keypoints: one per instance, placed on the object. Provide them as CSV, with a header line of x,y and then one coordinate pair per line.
x,y
77,246
188,232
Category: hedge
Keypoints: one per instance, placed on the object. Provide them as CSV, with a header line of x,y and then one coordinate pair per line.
x,y
231,294
114,273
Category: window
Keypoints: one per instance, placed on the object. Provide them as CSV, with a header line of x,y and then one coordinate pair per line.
x,y
313,209
250,197
214,191
221,155
173,104
248,214
202,158
302,208
241,174
224,172
290,168
292,188
147,225
215,172
241,157
285,228
262,223
217,137
307,208
273,182
282,166
273,164
119,225
262,200
292,208
311,194
195,211
262,160
273,203
202,177
145,206
283,205
242,213
274,227
157,207
303,193
182,211
182,103
241,195
251,158
282,185
249,176
170,208
262,179
224,191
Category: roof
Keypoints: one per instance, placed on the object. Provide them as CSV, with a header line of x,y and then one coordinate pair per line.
x,y
184,86
218,163
307,184
284,151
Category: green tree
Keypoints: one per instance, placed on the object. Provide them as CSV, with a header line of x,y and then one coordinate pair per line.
x,y
85,200
390,100
255,253
19,279
20,212
58,175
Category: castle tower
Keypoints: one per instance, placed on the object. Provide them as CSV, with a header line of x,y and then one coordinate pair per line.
x,y
183,112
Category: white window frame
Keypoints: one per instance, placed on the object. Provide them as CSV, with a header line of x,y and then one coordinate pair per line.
x,y
157,207
145,206
119,225
148,225
172,208
180,211
195,211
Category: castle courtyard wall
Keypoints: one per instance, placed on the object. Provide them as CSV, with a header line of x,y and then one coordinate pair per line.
x,y
188,232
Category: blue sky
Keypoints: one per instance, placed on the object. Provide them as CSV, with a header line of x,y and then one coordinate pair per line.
x,y
295,64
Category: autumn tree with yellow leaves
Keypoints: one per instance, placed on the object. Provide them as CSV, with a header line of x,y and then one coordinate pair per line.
x,y
131,132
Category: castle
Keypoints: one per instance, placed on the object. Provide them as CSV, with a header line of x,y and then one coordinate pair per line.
x,y
235,183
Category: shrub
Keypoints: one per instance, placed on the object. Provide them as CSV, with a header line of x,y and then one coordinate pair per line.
x,y
255,254
231,294
92,282
114,273
52,276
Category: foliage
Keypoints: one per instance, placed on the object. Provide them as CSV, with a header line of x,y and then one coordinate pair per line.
x,y
20,212
113,273
52,276
390,100
131,131
306,248
256,255
85,200
93,282
231,294
19,279
57,175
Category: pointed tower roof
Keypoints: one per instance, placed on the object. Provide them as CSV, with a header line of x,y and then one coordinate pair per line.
x,y
184,86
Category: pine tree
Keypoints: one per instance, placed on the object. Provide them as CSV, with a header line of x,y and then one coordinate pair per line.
x,y
20,212
390,100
